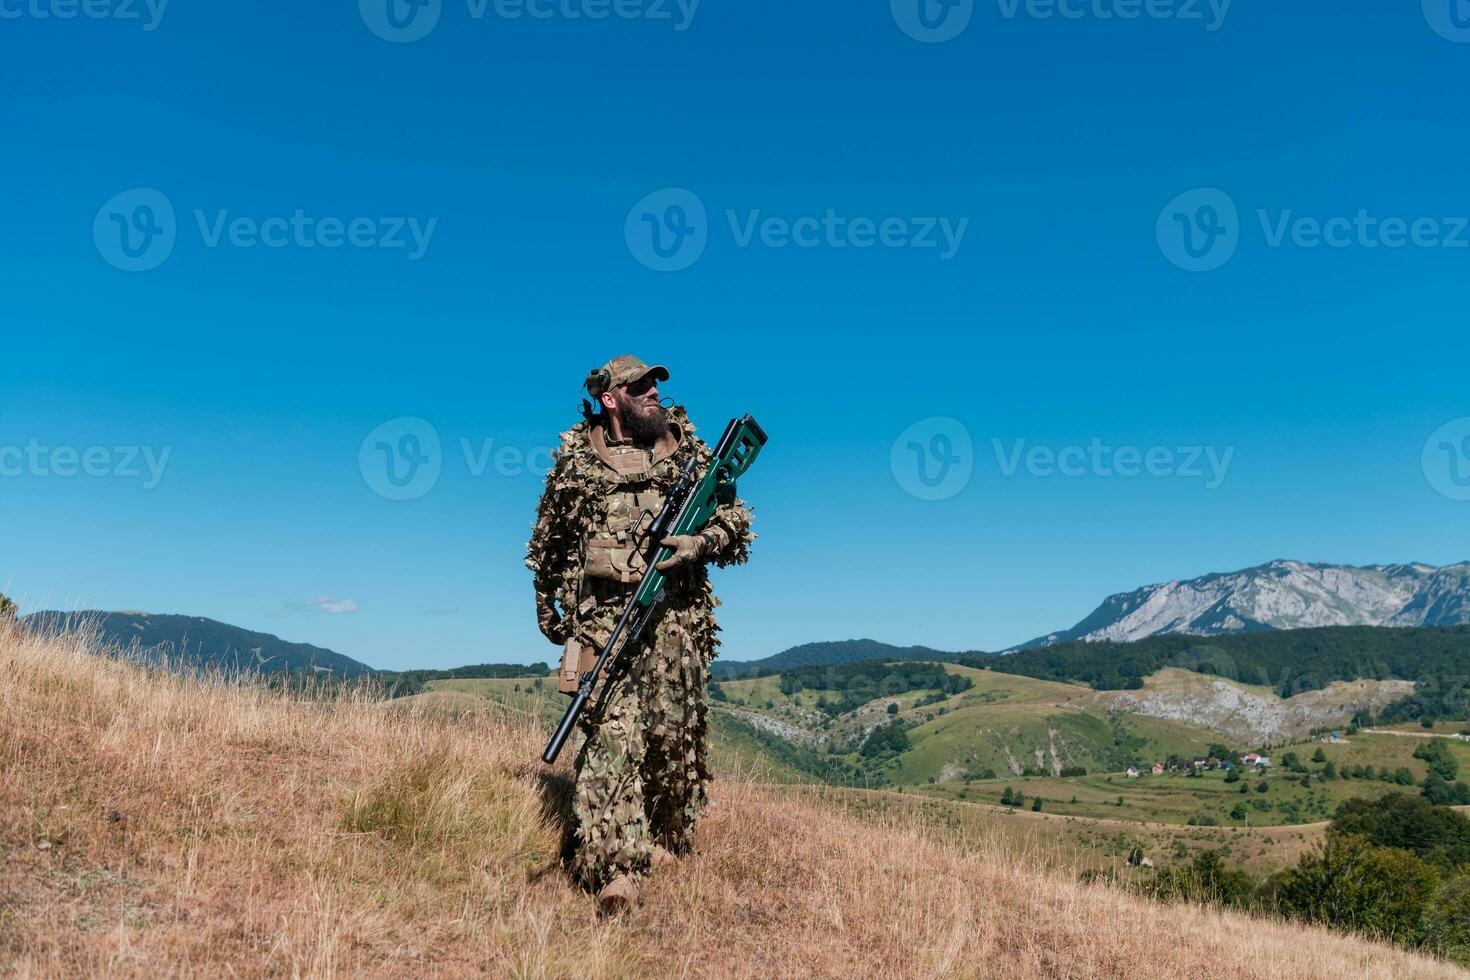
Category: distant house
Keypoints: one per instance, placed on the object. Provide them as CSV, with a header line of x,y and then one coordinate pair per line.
x,y
1262,762
1199,763
1335,737
1158,769
1133,772
1249,759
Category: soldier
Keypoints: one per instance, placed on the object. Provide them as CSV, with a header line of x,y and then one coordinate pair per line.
x,y
642,772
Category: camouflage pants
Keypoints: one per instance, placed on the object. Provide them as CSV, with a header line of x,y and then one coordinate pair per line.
x,y
642,773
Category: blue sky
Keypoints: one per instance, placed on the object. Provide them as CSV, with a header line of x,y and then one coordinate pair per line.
x,y
1060,152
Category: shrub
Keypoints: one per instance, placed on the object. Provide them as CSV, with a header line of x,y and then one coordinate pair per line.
x,y
1350,884
1205,879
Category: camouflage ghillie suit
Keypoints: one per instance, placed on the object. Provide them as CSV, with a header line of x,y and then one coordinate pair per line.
x,y
642,771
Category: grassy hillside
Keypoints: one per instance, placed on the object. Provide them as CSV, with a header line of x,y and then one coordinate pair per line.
x,y
161,825
1003,724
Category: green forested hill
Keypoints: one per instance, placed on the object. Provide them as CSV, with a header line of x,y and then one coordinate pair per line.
x,y
836,652
1288,661
195,642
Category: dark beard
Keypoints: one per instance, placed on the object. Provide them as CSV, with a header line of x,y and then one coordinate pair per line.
x,y
645,426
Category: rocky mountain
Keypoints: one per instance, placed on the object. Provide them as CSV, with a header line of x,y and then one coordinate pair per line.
x,y
193,642
1280,595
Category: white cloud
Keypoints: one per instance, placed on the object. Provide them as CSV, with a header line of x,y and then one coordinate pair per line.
x,y
333,607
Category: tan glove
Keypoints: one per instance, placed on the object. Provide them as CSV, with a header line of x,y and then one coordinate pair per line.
x,y
689,549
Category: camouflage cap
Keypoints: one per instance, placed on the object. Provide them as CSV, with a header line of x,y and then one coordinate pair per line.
x,y
621,370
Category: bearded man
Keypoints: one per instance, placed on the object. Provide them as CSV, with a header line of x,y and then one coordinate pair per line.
x,y
642,772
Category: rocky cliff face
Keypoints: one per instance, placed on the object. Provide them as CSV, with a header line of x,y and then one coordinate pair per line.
x,y
1281,595
1251,717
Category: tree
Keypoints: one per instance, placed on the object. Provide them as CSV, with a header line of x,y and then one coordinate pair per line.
x,y
1036,805
1232,775
1448,928
1008,798
1436,834
1319,756
1350,884
1239,812
1329,771
7,612
1437,754
892,708
1292,761
1218,751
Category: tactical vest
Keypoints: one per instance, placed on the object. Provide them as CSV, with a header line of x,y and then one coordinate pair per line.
x,y
637,479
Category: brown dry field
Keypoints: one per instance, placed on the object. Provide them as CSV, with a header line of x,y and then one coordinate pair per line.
x,y
157,826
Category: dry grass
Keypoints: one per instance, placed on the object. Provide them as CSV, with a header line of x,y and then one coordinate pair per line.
x,y
158,826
